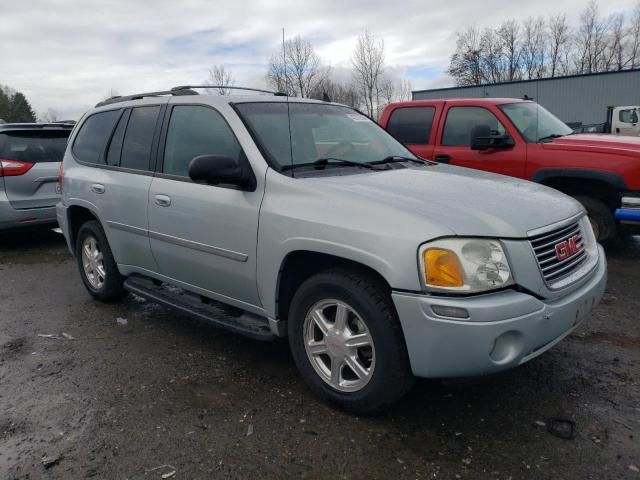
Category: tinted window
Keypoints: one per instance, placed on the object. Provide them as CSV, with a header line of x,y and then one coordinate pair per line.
x,y
93,135
411,124
115,147
136,148
34,147
194,131
460,122
628,116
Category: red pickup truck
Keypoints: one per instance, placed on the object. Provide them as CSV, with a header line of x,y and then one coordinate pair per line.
x,y
521,139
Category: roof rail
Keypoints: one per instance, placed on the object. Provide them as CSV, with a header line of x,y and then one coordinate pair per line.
x,y
181,90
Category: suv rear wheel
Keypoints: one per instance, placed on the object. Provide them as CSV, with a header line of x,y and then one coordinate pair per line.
x,y
98,269
347,342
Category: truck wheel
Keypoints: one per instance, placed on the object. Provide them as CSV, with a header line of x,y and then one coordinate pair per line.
x,y
347,342
98,269
600,216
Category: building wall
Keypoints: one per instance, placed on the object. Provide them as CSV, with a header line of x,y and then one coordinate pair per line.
x,y
582,98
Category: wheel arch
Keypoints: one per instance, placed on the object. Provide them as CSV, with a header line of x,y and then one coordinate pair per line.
x,y
605,186
299,265
77,215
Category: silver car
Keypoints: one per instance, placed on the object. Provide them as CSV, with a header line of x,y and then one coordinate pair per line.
x,y
30,156
273,216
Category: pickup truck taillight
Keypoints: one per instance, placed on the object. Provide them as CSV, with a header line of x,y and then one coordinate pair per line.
x,y
13,168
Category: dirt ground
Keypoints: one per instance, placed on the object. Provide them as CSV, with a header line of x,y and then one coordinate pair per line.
x,y
134,386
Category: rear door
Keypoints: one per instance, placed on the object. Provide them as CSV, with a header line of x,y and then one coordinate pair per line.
x,y
413,126
454,141
30,160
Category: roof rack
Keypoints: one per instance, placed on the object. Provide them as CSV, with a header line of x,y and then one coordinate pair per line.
x,y
181,90
35,125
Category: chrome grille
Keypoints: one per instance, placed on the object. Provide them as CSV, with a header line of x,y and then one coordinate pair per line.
x,y
544,247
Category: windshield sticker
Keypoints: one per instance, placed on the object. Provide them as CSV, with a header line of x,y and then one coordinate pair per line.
x,y
357,118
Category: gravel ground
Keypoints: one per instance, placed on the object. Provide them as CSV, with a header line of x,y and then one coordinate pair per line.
x,y
114,399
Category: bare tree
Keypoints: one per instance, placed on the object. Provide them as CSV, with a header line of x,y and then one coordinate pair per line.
x,y
368,67
533,47
492,64
466,62
50,116
219,76
339,92
300,72
405,90
634,38
616,46
559,41
509,36
591,39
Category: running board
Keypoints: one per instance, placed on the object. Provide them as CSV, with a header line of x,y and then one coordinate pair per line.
x,y
204,309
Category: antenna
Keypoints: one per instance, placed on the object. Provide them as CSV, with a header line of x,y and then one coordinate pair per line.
x,y
286,88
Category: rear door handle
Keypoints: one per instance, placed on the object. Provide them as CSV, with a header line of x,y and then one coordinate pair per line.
x,y
163,200
97,188
442,158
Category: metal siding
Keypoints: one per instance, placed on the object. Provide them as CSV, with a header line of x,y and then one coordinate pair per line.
x,y
574,99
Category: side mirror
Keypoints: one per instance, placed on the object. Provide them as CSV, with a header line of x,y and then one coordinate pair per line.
x,y
218,169
483,139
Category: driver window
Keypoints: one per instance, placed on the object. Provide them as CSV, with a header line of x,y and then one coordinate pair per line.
x,y
193,131
461,121
628,116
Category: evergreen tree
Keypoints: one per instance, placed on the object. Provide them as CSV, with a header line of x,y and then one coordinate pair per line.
x,y
4,105
21,110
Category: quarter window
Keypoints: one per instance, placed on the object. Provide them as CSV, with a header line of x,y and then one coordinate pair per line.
x,y
411,125
93,135
461,121
193,131
136,148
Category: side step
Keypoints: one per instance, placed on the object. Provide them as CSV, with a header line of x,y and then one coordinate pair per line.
x,y
210,311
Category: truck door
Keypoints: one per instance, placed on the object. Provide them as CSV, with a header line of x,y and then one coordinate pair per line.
x,y
453,143
625,121
412,126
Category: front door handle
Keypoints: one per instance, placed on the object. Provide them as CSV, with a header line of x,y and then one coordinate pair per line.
x,y
442,158
97,188
163,200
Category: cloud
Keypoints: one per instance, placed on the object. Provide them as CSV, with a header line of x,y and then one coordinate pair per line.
x,y
68,55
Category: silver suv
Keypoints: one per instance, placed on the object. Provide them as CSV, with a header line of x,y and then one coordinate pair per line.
x,y
30,156
274,216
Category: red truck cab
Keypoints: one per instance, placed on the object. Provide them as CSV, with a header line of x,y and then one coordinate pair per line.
x,y
521,139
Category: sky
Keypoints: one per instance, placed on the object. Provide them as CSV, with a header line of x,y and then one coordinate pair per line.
x,y
69,54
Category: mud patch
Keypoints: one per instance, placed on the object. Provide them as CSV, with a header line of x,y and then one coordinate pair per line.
x,y
14,348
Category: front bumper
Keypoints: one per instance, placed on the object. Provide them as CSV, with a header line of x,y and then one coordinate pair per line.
x,y
11,218
504,329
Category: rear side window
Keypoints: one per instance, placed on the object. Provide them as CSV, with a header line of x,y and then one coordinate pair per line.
x,y
411,125
461,121
34,146
193,131
115,147
136,148
93,135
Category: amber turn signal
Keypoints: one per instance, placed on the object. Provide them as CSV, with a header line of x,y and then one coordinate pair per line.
x,y
442,268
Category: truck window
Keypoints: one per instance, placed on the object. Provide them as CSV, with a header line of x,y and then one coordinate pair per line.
x,y
194,131
629,115
411,125
461,120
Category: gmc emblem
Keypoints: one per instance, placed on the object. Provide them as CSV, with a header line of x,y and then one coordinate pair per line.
x,y
567,248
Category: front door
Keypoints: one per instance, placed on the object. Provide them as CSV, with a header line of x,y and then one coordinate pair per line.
x,y
627,122
203,235
454,143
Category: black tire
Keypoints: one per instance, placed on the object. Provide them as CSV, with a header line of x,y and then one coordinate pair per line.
x,y
601,217
391,378
112,286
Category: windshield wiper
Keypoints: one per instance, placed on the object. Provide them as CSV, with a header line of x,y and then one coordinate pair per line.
x,y
554,135
400,158
321,163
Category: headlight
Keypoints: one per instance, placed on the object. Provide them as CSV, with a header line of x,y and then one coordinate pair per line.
x,y
465,265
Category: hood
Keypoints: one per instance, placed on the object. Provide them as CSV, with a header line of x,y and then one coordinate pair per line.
x,y
464,201
603,143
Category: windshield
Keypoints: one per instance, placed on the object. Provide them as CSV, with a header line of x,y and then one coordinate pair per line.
x,y
318,131
534,122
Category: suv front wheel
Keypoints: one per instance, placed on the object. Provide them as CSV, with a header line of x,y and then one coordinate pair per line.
x,y
98,269
347,342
